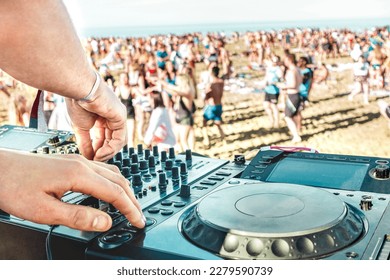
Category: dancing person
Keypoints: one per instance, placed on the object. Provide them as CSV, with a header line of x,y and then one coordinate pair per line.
x,y
361,74
293,80
213,105
273,76
183,93
125,94
40,47
159,131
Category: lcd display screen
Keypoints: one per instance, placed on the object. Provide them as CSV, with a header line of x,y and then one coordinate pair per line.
x,y
326,174
22,140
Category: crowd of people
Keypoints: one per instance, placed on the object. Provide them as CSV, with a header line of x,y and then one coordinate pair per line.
x,y
164,80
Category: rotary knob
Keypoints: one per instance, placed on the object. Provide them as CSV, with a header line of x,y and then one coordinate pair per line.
x,y
382,171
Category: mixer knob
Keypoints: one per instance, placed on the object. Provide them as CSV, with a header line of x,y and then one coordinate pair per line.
x,y
155,151
171,152
118,164
131,151
163,157
45,150
136,183
146,154
382,171
143,166
134,169
118,156
140,150
151,161
126,172
162,181
185,191
175,173
55,140
183,169
134,158
125,150
366,203
110,161
188,155
126,162
168,165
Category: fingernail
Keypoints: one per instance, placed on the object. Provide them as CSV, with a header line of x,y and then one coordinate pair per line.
x,y
99,223
143,218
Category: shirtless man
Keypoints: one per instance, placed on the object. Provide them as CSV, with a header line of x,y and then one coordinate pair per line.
x,y
213,105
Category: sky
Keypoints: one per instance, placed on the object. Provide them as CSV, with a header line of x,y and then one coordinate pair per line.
x,y
106,13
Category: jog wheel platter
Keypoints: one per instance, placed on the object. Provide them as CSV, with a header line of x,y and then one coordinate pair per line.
x,y
273,221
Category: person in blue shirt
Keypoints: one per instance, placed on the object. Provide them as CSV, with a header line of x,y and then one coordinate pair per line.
x,y
304,88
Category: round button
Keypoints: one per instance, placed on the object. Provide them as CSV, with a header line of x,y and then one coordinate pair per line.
x,y
153,210
166,203
149,222
179,204
114,239
166,212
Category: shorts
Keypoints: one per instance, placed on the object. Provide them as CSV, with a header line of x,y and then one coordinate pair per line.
x,y
293,103
213,113
188,120
272,98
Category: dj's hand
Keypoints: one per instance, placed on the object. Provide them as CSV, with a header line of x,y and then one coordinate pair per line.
x,y
99,124
33,185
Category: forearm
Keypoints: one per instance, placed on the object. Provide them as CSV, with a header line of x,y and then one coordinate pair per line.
x,y
41,48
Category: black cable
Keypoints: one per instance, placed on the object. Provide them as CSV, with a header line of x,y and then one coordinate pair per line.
x,y
48,243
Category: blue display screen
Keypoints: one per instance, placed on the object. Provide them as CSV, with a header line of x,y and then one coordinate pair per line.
x,y
326,174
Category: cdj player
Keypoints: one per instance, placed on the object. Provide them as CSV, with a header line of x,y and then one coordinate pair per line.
x,y
283,204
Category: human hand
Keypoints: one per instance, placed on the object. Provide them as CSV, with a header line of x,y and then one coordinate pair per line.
x,y
104,119
42,180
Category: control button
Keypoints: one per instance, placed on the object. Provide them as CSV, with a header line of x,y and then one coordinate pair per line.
x,y
166,202
162,182
200,188
185,191
262,166
126,172
166,212
145,192
208,183
366,203
149,222
163,156
263,162
114,239
257,171
131,151
220,173
54,140
155,151
140,150
126,162
118,156
134,158
235,182
188,155
146,154
382,161
153,210
175,173
46,150
216,178
382,171
171,153
336,158
179,204
147,177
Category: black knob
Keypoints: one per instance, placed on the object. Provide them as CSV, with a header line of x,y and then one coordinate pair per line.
x,y
152,163
168,164
239,159
188,155
163,157
155,151
143,165
45,150
110,161
185,191
134,169
54,140
118,164
119,156
162,181
183,169
126,162
125,149
146,154
171,153
126,172
131,151
134,158
144,192
140,149
175,173
382,171
136,182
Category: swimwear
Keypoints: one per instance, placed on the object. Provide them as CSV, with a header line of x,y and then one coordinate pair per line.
x,y
213,113
293,103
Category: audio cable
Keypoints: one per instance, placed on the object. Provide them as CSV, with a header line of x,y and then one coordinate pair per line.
x,y
49,255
